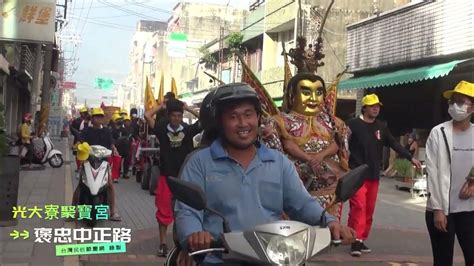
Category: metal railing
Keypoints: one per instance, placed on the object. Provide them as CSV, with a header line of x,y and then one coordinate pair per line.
x,y
27,60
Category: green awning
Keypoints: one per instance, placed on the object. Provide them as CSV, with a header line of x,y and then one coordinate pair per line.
x,y
399,77
185,95
278,101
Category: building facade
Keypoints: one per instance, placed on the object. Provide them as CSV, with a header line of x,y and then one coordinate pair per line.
x,y
272,23
409,56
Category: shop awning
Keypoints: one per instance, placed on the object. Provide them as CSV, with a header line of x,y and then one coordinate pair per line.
x,y
399,77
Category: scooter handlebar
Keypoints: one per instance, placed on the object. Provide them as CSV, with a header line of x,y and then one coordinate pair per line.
x,y
216,246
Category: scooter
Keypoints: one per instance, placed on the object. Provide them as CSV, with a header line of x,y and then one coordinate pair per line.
x,y
275,243
43,151
93,180
149,171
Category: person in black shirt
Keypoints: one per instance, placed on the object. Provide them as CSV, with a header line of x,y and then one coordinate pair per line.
x,y
116,127
99,135
162,112
76,123
135,123
123,144
176,142
366,142
76,129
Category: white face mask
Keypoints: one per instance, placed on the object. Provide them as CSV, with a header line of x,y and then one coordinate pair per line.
x,y
134,115
458,112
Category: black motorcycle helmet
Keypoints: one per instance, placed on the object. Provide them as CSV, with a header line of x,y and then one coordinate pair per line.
x,y
230,93
205,115
206,120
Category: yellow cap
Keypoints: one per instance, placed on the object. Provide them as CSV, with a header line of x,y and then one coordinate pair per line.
x,y
83,110
126,117
116,117
370,99
123,111
83,151
463,87
97,111
116,112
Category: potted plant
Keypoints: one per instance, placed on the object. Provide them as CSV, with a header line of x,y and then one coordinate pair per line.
x,y
404,170
9,176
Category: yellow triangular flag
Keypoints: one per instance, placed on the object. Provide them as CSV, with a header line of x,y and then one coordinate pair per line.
x,y
161,92
149,96
174,89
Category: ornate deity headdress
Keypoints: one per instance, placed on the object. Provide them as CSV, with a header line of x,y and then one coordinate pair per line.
x,y
307,59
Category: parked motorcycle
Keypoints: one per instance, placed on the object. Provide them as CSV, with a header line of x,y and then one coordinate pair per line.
x,y
43,151
93,180
276,243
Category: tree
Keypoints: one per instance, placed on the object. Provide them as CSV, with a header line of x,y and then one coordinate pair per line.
x,y
207,58
234,41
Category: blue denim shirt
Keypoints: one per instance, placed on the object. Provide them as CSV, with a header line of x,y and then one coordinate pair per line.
x,y
257,195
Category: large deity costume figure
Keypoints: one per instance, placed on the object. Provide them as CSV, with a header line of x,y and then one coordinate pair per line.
x,y
314,139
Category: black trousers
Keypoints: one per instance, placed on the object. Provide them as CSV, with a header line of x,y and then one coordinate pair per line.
x,y
123,148
460,225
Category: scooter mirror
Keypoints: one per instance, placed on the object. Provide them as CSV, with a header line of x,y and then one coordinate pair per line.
x,y
188,193
350,183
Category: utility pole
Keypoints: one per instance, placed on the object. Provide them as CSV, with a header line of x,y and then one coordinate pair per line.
x,y
61,22
46,91
36,78
300,19
221,51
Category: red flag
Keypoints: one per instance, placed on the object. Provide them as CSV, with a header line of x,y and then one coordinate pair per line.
x,y
268,106
331,94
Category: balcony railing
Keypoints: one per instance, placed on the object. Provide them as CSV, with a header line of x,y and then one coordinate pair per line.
x,y
27,60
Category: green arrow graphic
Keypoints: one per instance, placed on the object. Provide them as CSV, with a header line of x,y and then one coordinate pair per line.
x,y
25,234
15,234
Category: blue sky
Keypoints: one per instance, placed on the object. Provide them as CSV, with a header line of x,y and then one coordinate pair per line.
x,y
105,35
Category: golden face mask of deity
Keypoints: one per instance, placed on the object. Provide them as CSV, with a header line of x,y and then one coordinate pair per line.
x,y
309,97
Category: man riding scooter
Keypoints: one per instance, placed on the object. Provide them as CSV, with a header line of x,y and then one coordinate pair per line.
x,y
245,181
99,135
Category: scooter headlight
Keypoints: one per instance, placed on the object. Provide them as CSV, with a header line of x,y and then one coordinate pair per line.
x,y
283,250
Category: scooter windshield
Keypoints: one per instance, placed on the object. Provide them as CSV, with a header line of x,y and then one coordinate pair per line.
x,y
100,152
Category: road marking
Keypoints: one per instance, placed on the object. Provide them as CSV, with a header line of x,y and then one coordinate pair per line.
x,y
404,206
69,260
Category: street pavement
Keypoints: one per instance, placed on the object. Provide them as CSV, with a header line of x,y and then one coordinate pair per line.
x,y
399,235
36,188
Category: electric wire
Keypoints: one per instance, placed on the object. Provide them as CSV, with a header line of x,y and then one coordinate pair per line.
x,y
126,10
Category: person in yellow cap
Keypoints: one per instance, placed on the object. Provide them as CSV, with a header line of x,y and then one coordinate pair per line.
x,y
116,126
449,164
123,113
366,143
99,135
124,142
